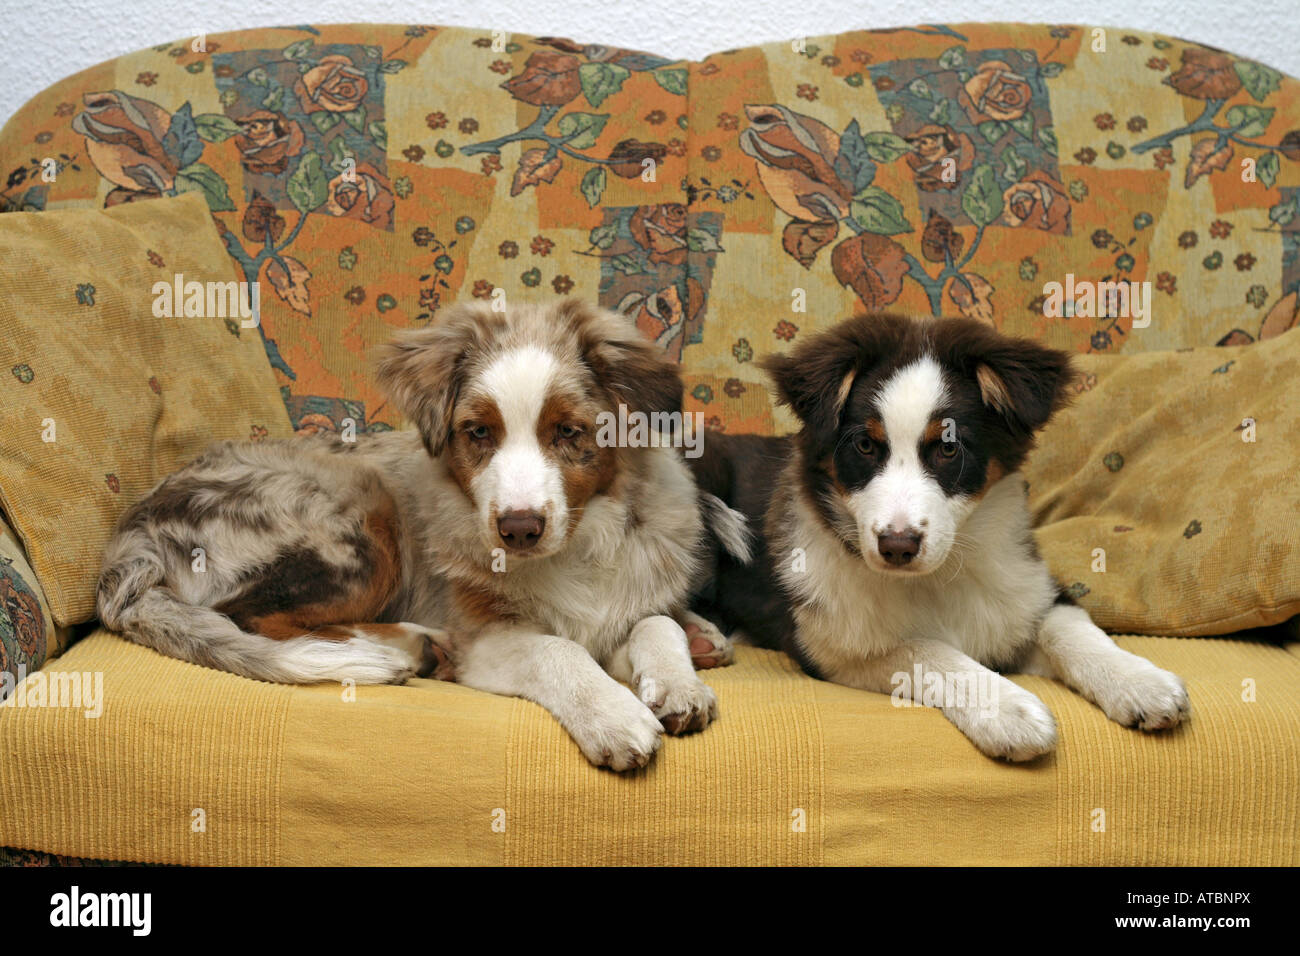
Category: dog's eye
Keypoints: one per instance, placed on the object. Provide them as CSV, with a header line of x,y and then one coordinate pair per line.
x,y
568,431
478,432
865,445
948,449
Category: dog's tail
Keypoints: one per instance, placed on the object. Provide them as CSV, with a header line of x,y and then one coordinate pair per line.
x,y
134,600
728,527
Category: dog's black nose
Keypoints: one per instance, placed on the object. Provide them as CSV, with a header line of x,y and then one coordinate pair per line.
x,y
521,529
899,548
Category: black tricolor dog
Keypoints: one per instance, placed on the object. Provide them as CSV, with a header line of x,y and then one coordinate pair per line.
x,y
895,551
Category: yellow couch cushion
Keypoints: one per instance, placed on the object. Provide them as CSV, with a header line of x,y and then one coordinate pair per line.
x,y
106,397
796,772
1165,497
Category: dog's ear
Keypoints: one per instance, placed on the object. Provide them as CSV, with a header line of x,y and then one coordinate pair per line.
x,y
422,370
1023,381
816,378
634,371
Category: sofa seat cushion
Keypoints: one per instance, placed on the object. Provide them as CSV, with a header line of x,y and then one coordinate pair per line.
x,y
188,765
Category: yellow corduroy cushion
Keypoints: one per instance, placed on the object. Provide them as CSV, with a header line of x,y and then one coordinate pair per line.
x,y
796,772
1166,497
126,397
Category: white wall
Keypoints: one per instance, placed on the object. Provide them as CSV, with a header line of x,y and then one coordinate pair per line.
x,y
44,41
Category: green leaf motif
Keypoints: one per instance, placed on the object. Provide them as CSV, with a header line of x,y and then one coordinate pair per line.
x,y
602,237
674,81
1049,70
1047,136
182,142
307,187
877,211
356,118
952,57
215,127
379,133
275,99
886,147
940,114
918,87
626,264
1024,125
982,200
600,80
593,185
993,130
298,50
1258,79
257,76
1267,169
324,121
1015,164
1284,212
1248,120
200,177
701,240
392,66
581,130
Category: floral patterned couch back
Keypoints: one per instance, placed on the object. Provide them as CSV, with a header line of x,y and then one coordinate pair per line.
x,y
369,175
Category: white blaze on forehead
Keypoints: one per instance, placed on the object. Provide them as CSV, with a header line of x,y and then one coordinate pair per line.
x,y
908,402
520,477
903,496
518,382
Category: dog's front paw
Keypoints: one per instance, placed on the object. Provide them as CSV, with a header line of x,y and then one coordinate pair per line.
x,y
617,730
682,707
1015,726
709,646
1145,696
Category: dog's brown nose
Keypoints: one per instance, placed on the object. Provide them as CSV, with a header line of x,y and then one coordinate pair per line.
x,y
899,547
520,530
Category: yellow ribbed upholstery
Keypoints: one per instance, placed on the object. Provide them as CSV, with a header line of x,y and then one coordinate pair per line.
x,y
796,772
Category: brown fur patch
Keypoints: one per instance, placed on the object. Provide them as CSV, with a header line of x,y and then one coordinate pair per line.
x,y
478,605
876,430
933,431
465,456
364,602
994,474
586,467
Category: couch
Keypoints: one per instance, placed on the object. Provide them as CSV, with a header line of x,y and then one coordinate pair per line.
x,y
366,175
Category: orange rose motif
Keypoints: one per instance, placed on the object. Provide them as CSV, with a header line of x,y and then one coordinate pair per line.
x,y
940,157
124,137
662,231
334,84
548,79
995,92
1037,202
268,141
667,309
1205,75
315,423
368,197
796,163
